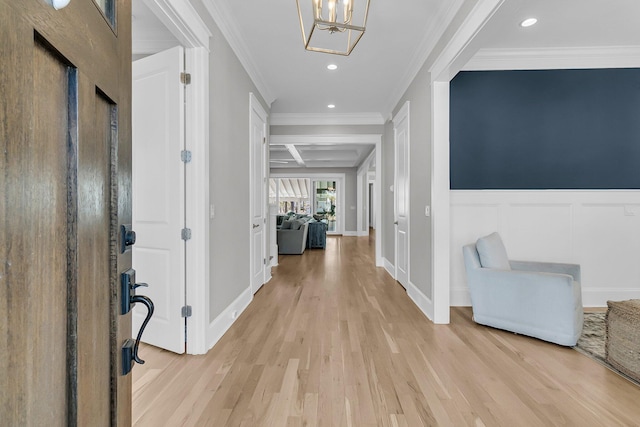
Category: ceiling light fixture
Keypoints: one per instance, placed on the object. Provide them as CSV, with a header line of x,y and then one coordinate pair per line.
x,y
332,67
528,22
331,106
337,34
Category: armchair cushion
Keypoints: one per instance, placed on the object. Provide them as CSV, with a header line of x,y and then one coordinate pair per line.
x,y
492,252
286,225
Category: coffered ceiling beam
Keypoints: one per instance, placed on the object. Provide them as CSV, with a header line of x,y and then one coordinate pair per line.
x,y
295,154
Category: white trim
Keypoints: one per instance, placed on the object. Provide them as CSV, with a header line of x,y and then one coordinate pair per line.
x,y
325,139
430,37
182,20
197,196
440,204
360,208
421,300
362,195
402,114
293,119
185,24
555,58
256,106
350,233
445,67
455,55
221,324
366,165
227,25
388,265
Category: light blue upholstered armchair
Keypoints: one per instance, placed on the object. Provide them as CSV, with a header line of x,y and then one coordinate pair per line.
x,y
541,300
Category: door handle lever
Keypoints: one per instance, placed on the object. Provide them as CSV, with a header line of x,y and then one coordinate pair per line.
x,y
256,225
128,299
149,304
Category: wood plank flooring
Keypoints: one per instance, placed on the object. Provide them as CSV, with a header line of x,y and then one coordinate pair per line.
x,y
333,341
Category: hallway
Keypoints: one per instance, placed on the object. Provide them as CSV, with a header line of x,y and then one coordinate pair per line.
x,y
333,341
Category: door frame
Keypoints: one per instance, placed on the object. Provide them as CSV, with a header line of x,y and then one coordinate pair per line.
x,y
256,106
402,114
183,21
330,139
452,59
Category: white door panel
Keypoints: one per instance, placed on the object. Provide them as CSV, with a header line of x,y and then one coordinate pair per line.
x,y
158,195
258,190
401,192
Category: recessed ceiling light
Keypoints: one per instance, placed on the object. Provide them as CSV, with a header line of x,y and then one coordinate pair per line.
x,y
528,22
332,67
331,106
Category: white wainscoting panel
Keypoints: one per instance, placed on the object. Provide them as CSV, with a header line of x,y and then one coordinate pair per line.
x,y
600,230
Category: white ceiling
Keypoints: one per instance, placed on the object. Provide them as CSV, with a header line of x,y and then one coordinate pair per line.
x,y
400,35
319,156
149,35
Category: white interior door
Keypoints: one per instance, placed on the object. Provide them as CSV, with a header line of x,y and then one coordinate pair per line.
x,y
401,192
258,134
159,195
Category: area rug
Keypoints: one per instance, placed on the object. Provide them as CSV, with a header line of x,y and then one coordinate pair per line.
x,y
592,341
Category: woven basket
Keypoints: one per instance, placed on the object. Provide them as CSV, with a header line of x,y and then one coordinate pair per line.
x,y
622,350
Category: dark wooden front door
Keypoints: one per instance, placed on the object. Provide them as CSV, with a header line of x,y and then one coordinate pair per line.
x,y
65,167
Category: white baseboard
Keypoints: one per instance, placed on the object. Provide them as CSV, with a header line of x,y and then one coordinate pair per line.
x,y
460,297
391,269
223,322
424,304
350,233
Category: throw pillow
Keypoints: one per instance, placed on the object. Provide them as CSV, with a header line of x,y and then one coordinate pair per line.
x,y
286,225
492,252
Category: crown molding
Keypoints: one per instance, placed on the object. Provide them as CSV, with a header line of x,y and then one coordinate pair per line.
x,y
180,17
227,25
293,119
555,58
427,44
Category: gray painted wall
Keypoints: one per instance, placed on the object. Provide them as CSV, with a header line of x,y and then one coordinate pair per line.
x,y
419,94
351,188
420,258
230,86
386,229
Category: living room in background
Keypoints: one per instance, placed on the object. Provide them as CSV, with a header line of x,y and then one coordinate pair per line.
x,y
325,202
290,195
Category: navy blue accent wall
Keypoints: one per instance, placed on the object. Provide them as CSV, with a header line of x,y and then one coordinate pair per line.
x,y
551,129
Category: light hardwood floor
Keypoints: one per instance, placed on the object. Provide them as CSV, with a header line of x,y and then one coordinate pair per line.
x,y
333,341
